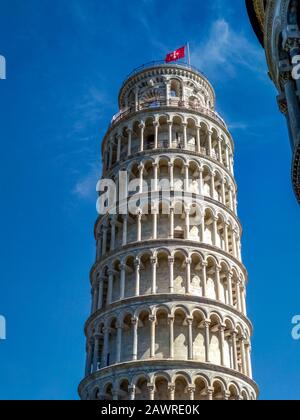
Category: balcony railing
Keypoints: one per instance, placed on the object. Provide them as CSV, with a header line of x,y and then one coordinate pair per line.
x,y
164,103
159,63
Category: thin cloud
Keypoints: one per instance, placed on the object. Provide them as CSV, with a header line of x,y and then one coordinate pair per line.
x,y
225,51
85,187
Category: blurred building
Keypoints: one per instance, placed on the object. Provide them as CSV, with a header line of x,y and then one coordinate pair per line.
x,y
276,24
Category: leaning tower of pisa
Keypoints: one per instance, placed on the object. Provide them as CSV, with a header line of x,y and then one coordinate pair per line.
x,y
168,318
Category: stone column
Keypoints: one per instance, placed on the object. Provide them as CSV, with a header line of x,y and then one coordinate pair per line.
x,y
156,127
227,156
218,281
243,299
171,345
238,296
134,322
186,178
231,198
122,281
110,153
119,343
98,246
209,143
96,351
94,298
203,227
191,392
141,173
248,359
220,150
210,392
226,225
119,138
223,192
171,272
243,355
139,226
198,139
201,192
129,132
188,275
234,239
110,286
142,128
125,226
170,124
106,332
100,294
222,342
104,245
155,170
152,320
137,277
204,277
171,391
229,281
113,233
172,222
184,125
155,216
235,359
131,390
153,266
212,185
171,174
207,340
190,338
88,362
115,394
187,223
151,391
215,230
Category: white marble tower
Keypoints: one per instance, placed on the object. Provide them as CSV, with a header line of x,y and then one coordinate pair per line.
x,y
168,317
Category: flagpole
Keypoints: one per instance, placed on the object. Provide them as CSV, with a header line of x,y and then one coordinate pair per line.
x,y
188,53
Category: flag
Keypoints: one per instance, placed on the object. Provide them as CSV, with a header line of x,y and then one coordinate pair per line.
x,y
176,55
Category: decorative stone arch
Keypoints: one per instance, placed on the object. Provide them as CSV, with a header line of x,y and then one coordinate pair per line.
x,y
108,390
245,394
233,391
219,388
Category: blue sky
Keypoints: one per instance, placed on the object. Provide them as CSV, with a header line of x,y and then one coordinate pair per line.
x,y
66,60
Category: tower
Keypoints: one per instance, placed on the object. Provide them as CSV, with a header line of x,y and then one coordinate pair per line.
x,y
277,26
168,317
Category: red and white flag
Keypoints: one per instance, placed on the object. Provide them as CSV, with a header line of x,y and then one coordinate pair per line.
x,y
176,55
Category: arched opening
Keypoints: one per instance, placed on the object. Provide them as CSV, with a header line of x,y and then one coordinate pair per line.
x,y
124,390
180,335
214,345
196,275
218,391
198,337
161,335
141,390
162,273
179,273
200,389
144,336
145,275
108,392
130,277
161,389
181,389
127,339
